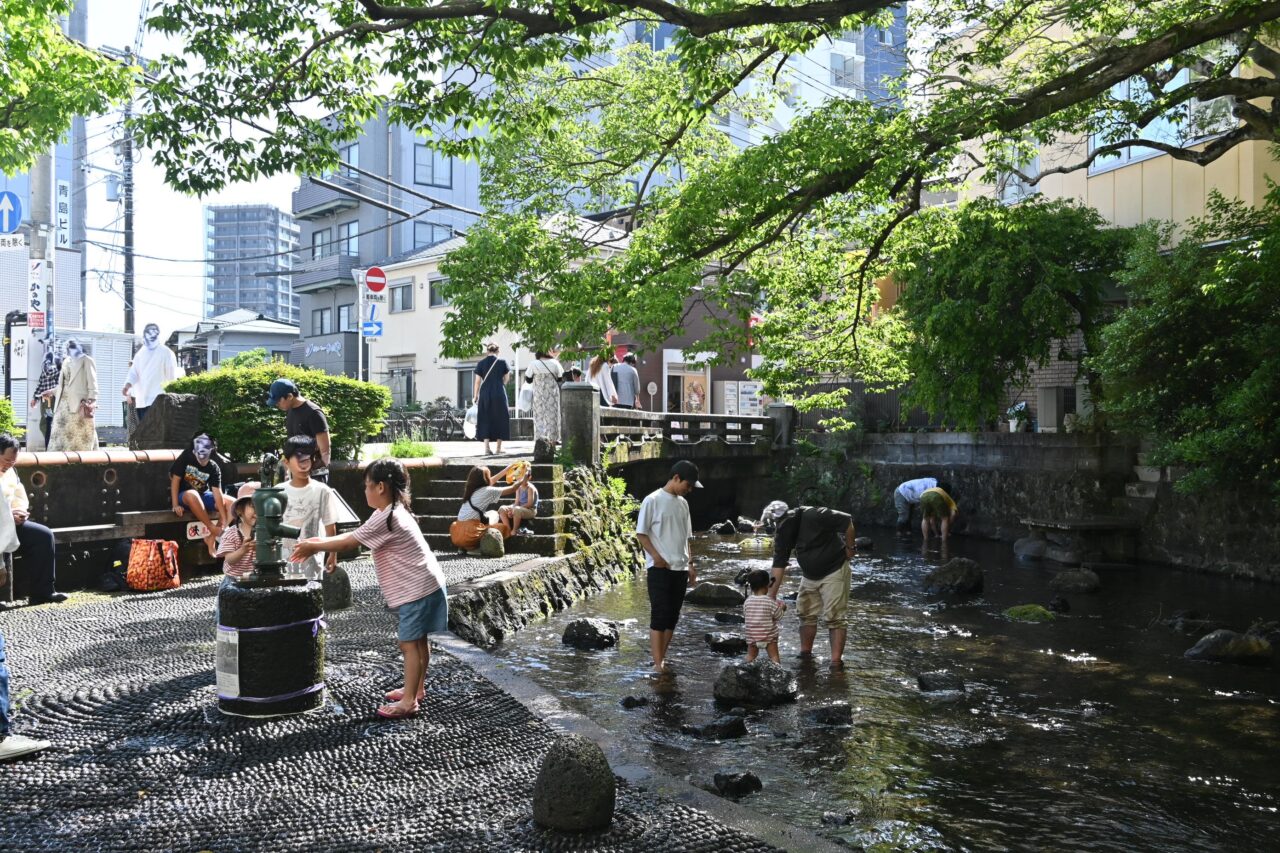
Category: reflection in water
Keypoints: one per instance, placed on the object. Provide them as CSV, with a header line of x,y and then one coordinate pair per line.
x,y
1090,732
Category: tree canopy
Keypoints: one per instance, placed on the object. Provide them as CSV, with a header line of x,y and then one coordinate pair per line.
x,y
265,86
47,80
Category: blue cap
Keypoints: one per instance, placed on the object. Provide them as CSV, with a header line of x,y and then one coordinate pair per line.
x,y
279,389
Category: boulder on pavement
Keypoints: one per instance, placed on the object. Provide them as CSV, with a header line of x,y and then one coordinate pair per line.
x,y
1076,580
575,790
760,683
959,576
590,634
1229,646
725,643
491,544
337,589
737,785
714,595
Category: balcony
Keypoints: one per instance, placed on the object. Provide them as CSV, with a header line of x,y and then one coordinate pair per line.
x,y
322,273
312,201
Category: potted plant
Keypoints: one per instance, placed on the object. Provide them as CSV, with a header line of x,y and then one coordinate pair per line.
x,y
1018,416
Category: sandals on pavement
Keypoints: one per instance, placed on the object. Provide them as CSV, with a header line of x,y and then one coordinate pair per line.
x,y
395,712
398,694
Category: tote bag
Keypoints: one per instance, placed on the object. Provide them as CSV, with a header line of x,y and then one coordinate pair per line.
x,y
153,565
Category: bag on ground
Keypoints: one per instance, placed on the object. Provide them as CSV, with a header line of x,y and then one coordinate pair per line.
x,y
466,534
153,565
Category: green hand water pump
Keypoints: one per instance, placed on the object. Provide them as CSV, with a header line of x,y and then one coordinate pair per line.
x,y
269,502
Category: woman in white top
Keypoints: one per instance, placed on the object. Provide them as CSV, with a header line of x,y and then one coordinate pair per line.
x,y
545,375
600,374
481,494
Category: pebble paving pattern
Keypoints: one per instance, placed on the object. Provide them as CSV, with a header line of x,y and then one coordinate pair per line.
x,y
142,760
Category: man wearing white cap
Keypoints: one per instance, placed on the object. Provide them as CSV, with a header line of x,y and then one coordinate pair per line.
x,y
813,533
664,529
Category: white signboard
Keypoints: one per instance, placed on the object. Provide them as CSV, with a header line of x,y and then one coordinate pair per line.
x,y
18,346
227,663
62,215
13,241
749,399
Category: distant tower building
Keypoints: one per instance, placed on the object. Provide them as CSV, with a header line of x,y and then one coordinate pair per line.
x,y
248,261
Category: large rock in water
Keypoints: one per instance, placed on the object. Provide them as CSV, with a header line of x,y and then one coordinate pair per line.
x,y
958,576
1076,580
721,728
1224,645
590,634
736,785
760,683
1030,548
725,643
575,791
936,682
714,595
337,589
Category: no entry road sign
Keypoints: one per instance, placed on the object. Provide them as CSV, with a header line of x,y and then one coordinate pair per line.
x,y
375,279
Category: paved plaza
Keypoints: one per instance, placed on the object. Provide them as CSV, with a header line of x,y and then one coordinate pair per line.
x,y
142,760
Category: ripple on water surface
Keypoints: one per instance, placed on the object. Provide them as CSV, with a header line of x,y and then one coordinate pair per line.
x,y
1076,734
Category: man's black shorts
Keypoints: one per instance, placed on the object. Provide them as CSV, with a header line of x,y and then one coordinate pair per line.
x,y
666,597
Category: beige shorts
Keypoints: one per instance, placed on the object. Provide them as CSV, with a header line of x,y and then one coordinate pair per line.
x,y
524,513
826,600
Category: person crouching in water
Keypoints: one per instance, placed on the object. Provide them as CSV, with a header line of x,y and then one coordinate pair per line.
x,y
763,615
411,582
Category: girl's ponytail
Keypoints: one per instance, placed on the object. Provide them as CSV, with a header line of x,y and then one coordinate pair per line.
x,y
392,473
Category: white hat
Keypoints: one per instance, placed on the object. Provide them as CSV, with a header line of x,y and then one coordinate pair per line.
x,y
773,511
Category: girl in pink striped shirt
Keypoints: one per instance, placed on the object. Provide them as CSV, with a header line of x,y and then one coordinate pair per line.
x,y
762,614
411,582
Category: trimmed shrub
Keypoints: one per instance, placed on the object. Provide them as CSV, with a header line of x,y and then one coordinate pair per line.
x,y
235,413
405,448
8,421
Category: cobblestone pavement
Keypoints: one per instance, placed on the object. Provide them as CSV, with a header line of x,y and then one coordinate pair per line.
x,y
142,760
458,567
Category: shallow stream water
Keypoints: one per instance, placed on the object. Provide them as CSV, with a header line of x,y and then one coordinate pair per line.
x,y
1088,733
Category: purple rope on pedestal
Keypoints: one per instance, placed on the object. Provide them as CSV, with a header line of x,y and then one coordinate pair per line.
x,y
318,621
281,698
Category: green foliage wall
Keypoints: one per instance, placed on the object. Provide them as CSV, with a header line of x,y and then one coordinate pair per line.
x,y
8,421
236,415
1195,363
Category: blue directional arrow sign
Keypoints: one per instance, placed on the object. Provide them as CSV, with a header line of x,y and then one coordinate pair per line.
x,y
371,328
10,212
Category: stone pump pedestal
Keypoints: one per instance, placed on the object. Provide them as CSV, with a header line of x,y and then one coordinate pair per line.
x,y
270,653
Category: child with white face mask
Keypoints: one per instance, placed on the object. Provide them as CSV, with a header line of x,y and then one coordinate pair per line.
x,y
195,486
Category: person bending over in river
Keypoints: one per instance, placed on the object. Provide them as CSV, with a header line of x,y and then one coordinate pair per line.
x,y
937,512
814,534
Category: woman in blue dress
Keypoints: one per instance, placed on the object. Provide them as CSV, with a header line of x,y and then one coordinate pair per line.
x,y
493,415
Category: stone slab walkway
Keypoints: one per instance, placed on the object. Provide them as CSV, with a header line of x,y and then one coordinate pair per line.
x,y
143,761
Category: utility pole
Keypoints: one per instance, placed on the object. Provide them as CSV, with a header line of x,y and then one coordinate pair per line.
x,y
126,154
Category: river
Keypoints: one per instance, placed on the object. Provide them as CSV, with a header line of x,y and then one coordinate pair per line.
x,y
1088,733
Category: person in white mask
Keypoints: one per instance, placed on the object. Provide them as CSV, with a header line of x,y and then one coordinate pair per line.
x,y
76,402
153,365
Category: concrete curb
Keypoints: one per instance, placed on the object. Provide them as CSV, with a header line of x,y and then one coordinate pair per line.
x,y
628,762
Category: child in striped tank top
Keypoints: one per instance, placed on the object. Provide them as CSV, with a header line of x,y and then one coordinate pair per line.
x,y
763,615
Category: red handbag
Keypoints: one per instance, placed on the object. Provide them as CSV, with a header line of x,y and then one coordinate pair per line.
x,y
153,565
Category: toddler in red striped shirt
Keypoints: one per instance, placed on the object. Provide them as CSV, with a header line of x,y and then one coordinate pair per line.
x,y
763,616
408,574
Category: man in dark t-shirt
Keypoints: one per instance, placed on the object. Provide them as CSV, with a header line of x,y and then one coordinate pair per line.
x,y
814,534
303,417
195,486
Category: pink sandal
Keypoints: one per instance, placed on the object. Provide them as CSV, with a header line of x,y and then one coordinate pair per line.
x,y
398,694
395,712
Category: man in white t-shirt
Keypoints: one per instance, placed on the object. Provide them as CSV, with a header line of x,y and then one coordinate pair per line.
x,y
664,529
906,496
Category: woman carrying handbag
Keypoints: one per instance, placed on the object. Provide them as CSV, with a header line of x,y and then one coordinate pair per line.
x,y
493,413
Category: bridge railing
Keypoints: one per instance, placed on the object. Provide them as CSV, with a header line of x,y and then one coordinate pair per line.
x,y
683,426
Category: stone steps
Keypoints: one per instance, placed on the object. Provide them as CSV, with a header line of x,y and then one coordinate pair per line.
x,y
1148,473
449,505
1146,491
545,546
459,470
542,525
447,488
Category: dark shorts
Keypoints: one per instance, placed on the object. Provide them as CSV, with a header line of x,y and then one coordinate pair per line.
x,y
666,597
210,505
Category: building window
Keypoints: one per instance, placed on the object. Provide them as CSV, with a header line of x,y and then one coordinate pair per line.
x,y
431,168
884,36
435,296
349,238
346,318
400,371
1186,124
401,298
429,233
350,155
321,321
280,355
846,71
1012,189
321,243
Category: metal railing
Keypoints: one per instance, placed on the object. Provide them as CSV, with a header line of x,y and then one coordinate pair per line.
x,y
637,426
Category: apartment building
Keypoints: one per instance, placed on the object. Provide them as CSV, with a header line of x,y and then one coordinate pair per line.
x,y
249,250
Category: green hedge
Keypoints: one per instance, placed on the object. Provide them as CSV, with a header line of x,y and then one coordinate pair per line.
x,y
8,420
235,413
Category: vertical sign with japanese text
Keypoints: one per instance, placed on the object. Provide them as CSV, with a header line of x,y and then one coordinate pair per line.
x,y
62,215
38,296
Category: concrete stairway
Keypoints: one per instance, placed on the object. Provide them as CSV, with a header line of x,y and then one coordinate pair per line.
x,y
1140,492
438,507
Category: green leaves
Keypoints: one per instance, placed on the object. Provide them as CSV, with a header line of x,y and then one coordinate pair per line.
x,y
48,80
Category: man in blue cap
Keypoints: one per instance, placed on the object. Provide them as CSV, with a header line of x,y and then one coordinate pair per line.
x,y
302,417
